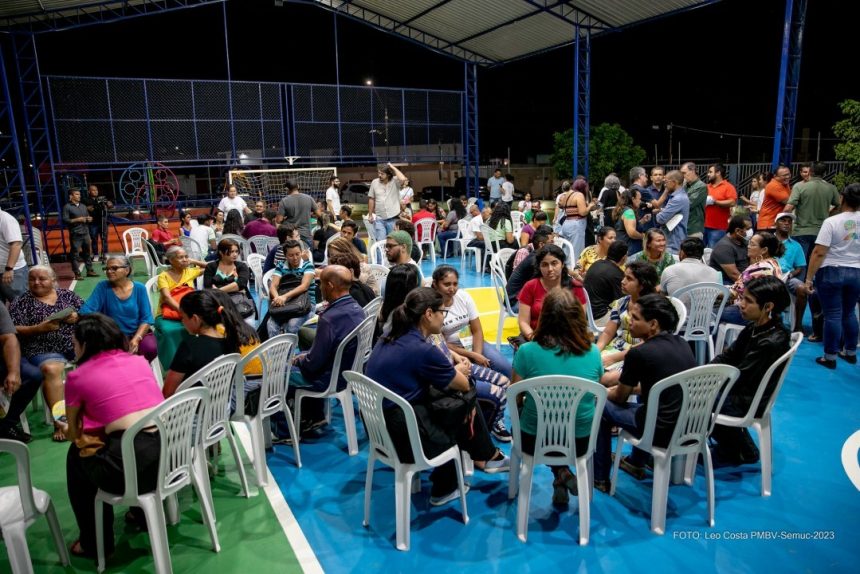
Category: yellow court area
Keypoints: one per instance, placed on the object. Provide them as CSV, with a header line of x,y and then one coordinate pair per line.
x,y
488,308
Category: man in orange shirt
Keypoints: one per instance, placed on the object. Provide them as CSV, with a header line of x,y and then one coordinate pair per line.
x,y
776,193
722,196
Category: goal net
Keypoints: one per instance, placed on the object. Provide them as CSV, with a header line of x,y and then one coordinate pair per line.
x,y
270,184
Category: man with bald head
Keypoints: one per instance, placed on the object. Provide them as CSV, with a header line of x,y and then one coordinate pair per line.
x,y
313,369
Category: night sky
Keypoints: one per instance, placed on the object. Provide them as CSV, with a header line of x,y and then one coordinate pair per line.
x,y
715,68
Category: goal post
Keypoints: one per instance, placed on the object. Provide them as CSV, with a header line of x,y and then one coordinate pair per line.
x,y
270,184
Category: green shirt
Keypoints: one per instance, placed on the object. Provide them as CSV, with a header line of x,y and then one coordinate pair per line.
x,y
698,194
532,360
812,201
660,265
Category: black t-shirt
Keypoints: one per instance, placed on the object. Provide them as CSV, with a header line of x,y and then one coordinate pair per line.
x,y
603,285
195,353
98,207
649,363
521,275
361,293
727,252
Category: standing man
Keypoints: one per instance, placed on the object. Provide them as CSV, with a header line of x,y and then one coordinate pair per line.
x,y
793,265
233,201
77,219
639,182
297,208
697,192
776,194
332,197
383,199
508,190
678,203
495,185
722,196
97,208
812,202
657,182
14,280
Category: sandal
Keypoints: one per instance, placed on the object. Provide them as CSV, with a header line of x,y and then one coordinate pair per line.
x,y
636,472
567,479
813,338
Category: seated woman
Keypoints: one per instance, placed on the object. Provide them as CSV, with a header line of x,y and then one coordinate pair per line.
x,y
126,302
109,391
401,280
231,276
593,253
343,249
561,346
326,231
640,279
233,223
299,273
176,279
218,224
655,251
503,226
46,345
420,316
551,272
449,227
757,347
763,250
185,223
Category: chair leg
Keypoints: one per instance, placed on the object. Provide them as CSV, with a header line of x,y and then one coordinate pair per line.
x,y
765,439
293,433
345,398
297,403
660,492
468,463
16,546
709,482
57,534
172,503
207,508
461,484
526,474
368,488
100,536
200,475
402,503
616,464
154,512
583,483
237,455
258,449
690,468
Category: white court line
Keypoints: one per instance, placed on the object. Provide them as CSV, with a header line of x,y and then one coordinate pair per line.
x,y
301,548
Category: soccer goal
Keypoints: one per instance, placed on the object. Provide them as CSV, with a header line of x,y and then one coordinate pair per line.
x,y
270,184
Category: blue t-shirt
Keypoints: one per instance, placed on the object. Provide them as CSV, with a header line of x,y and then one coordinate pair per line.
x,y
129,314
283,268
409,365
793,258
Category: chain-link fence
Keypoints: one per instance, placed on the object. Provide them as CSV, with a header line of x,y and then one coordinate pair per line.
x,y
121,121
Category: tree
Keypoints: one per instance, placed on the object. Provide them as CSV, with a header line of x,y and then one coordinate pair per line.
x,y
610,149
848,150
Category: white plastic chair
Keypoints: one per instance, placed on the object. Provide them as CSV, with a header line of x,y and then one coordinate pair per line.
x,y
261,244
505,310
557,398
275,355
699,387
726,335
462,244
373,307
154,300
370,395
134,243
192,248
706,256
500,259
589,314
154,257
517,218
567,247
425,234
175,421
255,264
701,299
244,246
362,338
214,420
491,246
376,253
20,507
371,232
761,422
380,272
682,313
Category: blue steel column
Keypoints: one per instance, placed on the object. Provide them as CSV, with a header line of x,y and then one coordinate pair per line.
x,y
789,81
9,140
472,151
337,85
235,157
37,132
581,99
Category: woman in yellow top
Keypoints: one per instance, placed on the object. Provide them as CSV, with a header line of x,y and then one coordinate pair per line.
x,y
594,253
182,271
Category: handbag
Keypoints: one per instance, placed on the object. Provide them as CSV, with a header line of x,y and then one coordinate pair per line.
x,y
298,306
243,304
449,408
177,293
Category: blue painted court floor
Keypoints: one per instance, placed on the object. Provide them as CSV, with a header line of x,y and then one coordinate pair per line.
x,y
809,524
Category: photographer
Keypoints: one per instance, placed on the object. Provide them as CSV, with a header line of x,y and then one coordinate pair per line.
x,y
97,207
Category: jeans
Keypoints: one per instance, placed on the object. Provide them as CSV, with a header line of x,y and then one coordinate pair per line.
x,y
838,290
289,326
97,233
31,380
10,291
712,236
81,246
498,362
732,314
383,227
444,237
623,416
807,243
574,231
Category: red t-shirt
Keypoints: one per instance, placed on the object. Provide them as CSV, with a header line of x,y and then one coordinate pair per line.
x,y
718,217
776,194
533,293
422,214
161,236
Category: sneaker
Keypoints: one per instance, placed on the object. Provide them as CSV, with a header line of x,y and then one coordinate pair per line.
x,y
825,362
14,433
852,359
501,465
636,472
560,497
92,273
287,440
446,498
603,486
501,433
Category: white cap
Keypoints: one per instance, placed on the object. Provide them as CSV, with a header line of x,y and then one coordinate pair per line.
x,y
786,214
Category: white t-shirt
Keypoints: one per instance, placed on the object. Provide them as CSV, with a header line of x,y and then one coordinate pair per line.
x,y
475,226
333,196
507,191
406,194
841,233
460,313
236,203
203,234
10,231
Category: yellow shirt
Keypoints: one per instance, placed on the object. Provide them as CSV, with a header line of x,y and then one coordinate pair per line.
x,y
165,281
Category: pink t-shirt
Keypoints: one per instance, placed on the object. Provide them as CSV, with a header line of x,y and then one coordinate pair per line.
x,y
111,385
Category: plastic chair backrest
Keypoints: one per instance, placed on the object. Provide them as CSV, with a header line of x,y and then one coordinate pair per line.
x,y
244,246
260,244
778,368
371,232
275,355
376,253
133,240
21,454
498,279
517,219
371,395
255,264
192,248
153,254
425,230
682,313
332,238
378,271
567,247
490,245
557,399
589,314
362,338
373,307
700,387
175,421
153,294
500,259
700,300
706,256
267,283
217,376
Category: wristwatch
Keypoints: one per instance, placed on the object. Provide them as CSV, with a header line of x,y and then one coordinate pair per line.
x,y
9,268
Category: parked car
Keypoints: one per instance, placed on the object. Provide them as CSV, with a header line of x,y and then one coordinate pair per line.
x,y
445,192
355,192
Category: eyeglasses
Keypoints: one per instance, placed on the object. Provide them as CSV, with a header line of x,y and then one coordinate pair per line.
x,y
115,268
